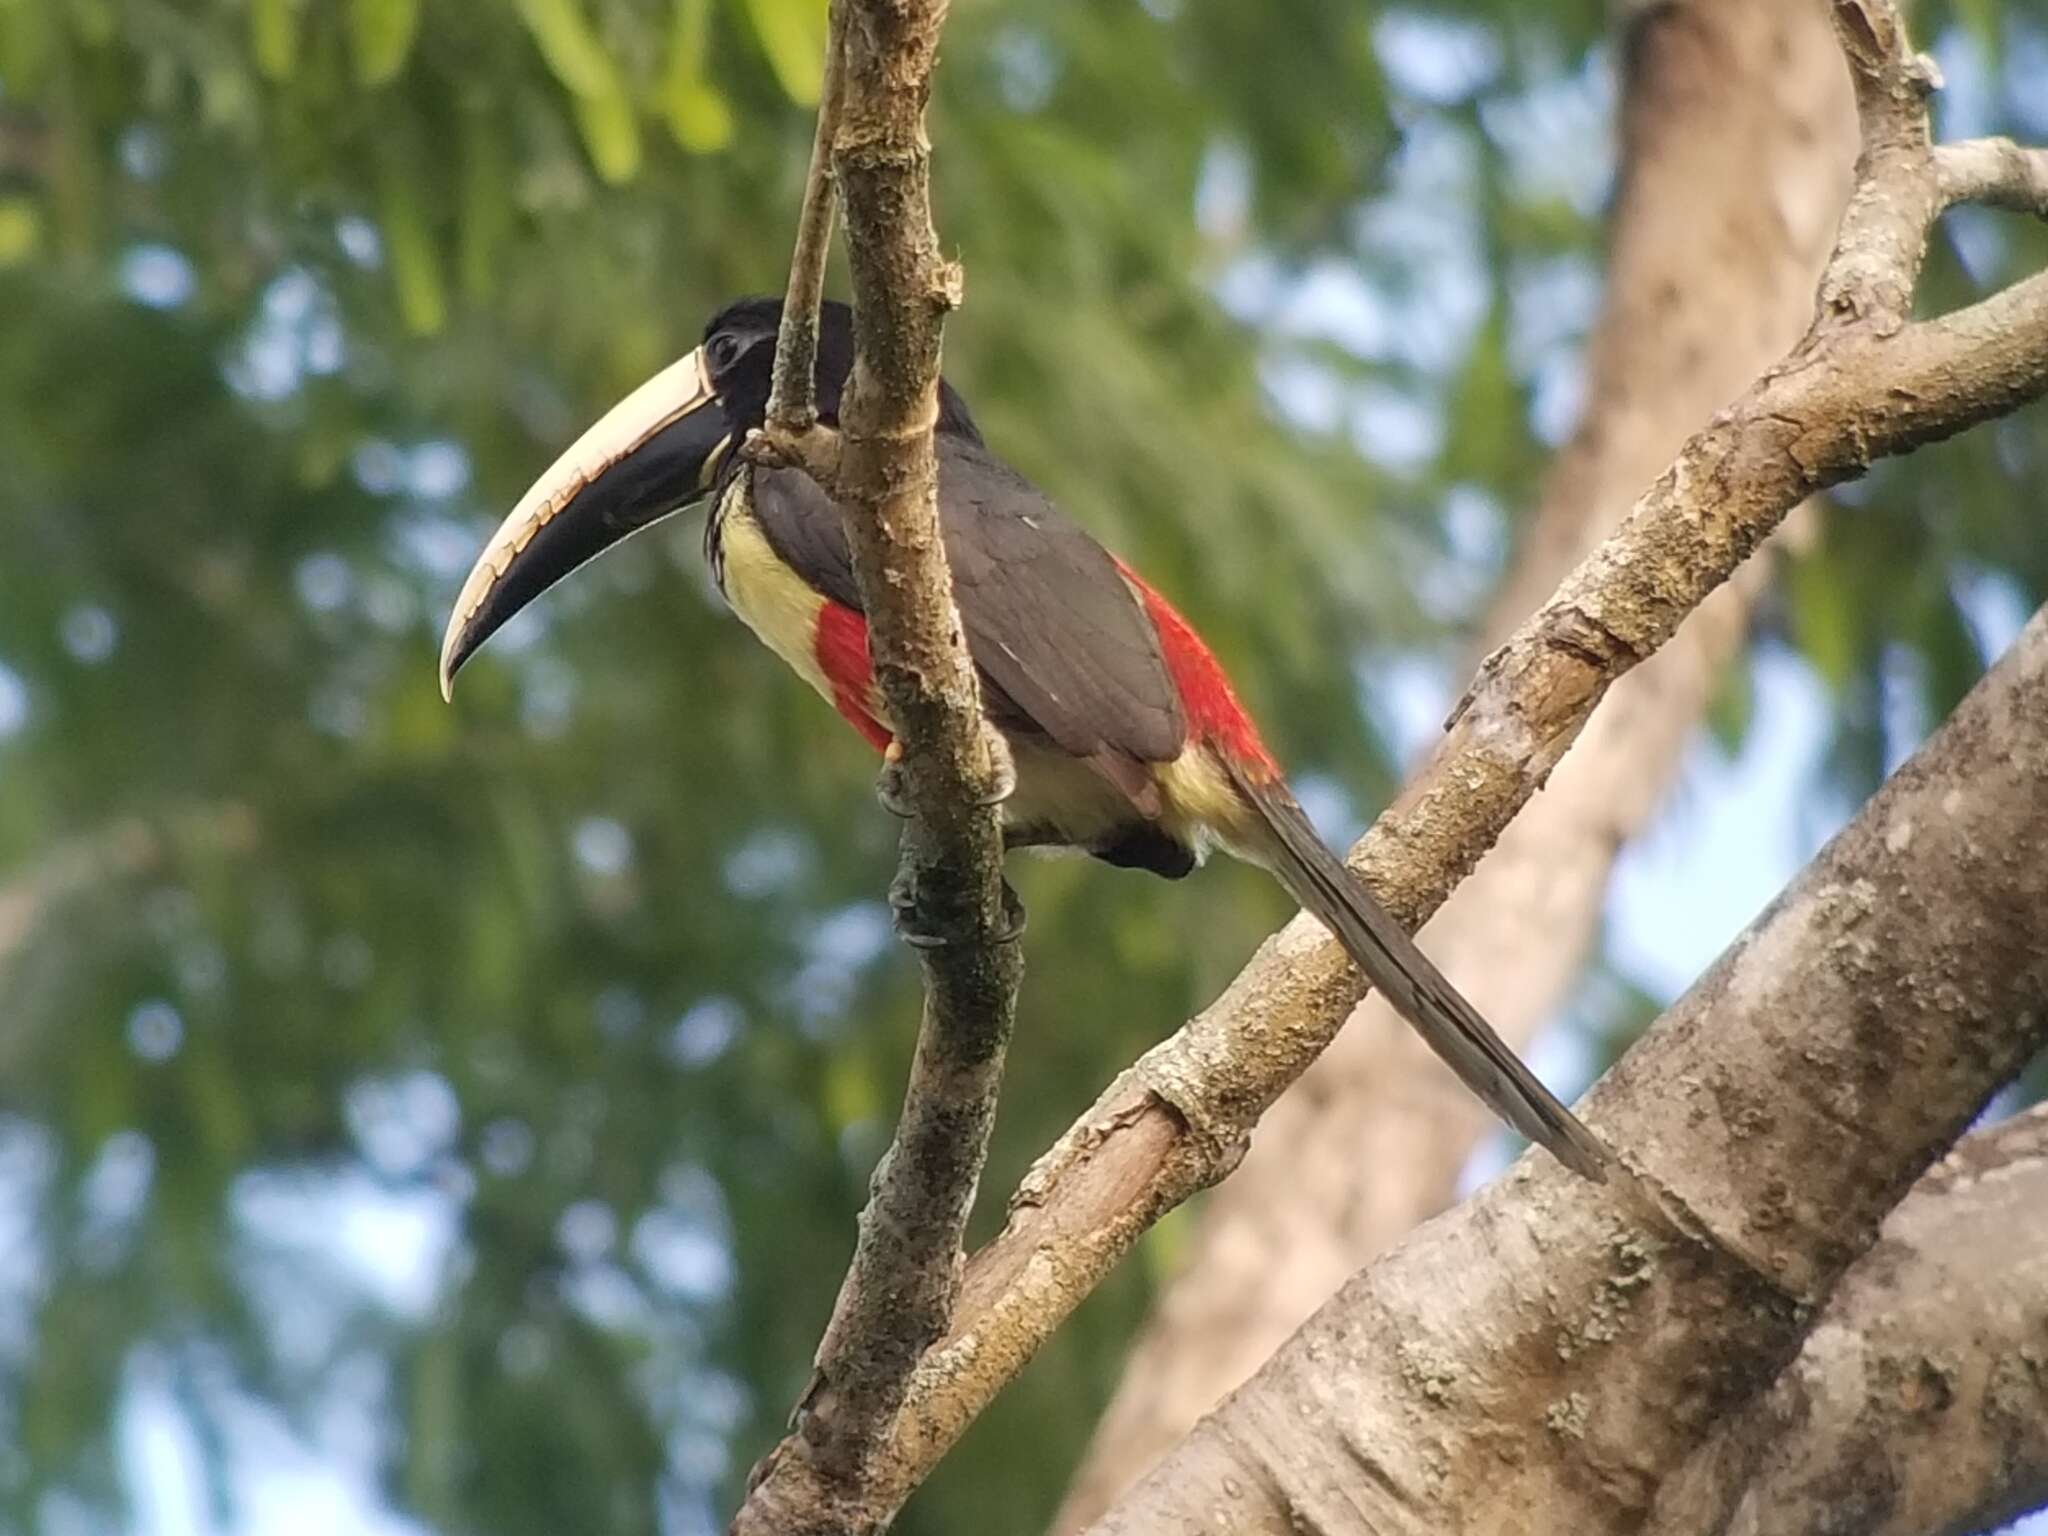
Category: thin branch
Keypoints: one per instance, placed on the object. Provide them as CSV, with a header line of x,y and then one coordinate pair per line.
x,y
1547,1356
1919,1403
899,1294
1865,384
1996,172
793,394
1883,240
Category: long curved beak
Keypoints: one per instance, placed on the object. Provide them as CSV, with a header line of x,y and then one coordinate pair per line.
x,y
653,453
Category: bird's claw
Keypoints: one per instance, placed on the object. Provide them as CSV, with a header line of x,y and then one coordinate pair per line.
x,y
758,447
1004,783
906,911
895,798
889,785
1014,915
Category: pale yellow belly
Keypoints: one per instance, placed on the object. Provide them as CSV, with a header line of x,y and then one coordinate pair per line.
x,y
770,598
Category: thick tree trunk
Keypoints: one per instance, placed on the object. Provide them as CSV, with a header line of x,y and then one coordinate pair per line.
x,y
1919,1406
1550,1353
1738,144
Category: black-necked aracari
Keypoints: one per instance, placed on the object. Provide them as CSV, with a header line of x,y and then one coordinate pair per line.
x,y
1125,736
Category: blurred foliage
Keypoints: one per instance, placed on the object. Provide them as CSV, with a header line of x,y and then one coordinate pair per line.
x,y
474,1102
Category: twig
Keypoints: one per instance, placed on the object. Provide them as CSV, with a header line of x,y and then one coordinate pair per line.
x,y
1994,171
1865,384
792,435
793,394
1868,285
899,1294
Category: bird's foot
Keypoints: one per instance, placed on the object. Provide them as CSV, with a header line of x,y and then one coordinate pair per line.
x,y
1003,784
906,912
915,929
1014,915
889,786
892,792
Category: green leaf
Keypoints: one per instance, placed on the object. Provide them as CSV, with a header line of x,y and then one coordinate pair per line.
x,y
1947,646
792,36
381,33
21,230
24,48
849,1093
434,1453
410,251
1732,709
1824,620
697,111
1164,1251
1986,27
484,219
604,115
219,1111
699,117
93,22
565,39
612,134
274,37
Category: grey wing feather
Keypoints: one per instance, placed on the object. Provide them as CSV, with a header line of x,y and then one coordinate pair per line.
x,y
1051,620
1064,648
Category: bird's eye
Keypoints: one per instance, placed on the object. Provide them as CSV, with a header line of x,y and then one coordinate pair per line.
x,y
724,349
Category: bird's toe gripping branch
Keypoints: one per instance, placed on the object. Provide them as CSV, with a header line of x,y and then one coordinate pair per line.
x,y
916,928
889,787
1003,782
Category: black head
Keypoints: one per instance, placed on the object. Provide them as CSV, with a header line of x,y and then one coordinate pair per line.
x,y
661,448
739,356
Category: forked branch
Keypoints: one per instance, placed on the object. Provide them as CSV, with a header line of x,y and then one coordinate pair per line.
x,y
898,1295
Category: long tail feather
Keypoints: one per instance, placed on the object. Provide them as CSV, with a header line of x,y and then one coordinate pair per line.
x,y
1420,993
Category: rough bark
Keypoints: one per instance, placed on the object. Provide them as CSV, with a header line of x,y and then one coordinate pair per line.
x,y
1995,171
1548,1354
1738,141
899,1291
1919,1404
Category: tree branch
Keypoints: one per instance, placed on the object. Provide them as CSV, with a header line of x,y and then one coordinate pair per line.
x,y
1864,384
1919,1404
1994,171
1736,118
899,1293
792,435
1558,1350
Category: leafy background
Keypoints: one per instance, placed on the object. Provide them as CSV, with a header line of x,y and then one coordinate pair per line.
x,y
425,1119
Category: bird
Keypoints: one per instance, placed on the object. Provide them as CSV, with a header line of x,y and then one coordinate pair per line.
x,y
1125,737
